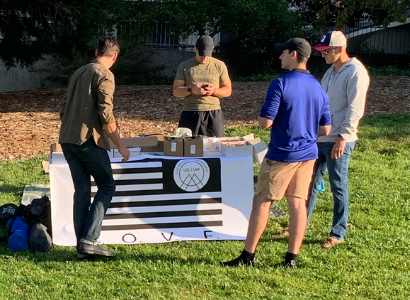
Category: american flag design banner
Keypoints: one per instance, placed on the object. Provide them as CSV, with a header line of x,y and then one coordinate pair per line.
x,y
160,199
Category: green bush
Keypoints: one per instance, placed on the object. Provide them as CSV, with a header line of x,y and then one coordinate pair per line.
x,y
388,71
257,77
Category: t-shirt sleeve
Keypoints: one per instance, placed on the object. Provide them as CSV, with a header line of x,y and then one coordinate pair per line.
x,y
325,119
180,73
271,105
224,77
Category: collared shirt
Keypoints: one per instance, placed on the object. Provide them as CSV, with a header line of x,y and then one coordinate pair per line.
x,y
298,106
88,105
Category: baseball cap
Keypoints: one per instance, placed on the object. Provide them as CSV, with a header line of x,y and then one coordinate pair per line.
x,y
299,45
7,211
205,45
331,39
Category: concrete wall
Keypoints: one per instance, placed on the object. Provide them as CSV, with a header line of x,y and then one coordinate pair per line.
x,y
21,79
171,59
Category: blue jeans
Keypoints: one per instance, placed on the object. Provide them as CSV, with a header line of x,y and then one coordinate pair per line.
x,y
338,169
88,160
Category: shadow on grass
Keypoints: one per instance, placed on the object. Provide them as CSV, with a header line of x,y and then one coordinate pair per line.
x,y
12,189
66,254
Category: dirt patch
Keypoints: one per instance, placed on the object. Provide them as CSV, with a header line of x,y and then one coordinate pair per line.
x,y
29,120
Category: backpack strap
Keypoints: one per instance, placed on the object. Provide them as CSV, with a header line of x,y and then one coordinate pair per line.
x,y
9,230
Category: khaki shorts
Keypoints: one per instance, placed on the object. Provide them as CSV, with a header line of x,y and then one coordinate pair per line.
x,y
277,179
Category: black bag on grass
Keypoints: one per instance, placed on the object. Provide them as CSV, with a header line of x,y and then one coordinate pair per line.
x,y
40,240
38,215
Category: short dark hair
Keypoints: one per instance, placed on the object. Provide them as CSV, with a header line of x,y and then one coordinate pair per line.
x,y
301,59
107,46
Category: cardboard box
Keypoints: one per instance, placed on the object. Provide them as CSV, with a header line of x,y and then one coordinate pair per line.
x,y
227,139
236,148
259,150
193,146
159,147
57,158
138,141
173,146
154,143
55,147
136,151
56,154
45,165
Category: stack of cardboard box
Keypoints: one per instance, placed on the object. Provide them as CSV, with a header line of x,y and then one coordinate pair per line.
x,y
156,143
187,146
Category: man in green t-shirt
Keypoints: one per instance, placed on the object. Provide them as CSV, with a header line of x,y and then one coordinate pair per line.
x,y
202,80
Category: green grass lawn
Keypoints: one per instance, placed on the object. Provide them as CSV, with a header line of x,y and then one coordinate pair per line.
x,y
372,264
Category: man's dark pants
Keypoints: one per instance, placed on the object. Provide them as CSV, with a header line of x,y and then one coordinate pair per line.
x,y
88,160
207,123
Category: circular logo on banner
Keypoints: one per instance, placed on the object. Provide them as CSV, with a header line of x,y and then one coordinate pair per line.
x,y
191,175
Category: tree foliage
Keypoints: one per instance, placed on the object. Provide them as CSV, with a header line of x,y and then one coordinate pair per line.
x,y
31,29
249,29
346,13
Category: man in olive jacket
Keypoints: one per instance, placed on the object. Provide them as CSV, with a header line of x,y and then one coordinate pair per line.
x,y
87,123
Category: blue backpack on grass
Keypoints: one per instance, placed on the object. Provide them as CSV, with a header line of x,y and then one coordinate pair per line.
x,y
19,233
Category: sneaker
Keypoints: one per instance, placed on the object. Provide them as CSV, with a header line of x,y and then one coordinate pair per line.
x,y
85,256
288,264
331,242
284,233
239,261
84,248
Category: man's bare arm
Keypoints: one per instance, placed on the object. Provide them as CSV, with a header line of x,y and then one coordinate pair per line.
x,y
112,131
181,90
264,123
224,90
324,130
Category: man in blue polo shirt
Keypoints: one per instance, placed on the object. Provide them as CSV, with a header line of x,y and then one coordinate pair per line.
x,y
297,110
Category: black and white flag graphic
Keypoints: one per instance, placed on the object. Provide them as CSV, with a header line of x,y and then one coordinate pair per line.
x,y
166,194
164,199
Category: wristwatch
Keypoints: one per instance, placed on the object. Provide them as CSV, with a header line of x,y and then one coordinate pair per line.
x,y
189,89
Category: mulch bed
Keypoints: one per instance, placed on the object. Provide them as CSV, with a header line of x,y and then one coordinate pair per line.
x,y
29,120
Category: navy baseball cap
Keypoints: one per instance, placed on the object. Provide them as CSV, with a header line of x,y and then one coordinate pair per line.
x,y
331,39
205,45
299,45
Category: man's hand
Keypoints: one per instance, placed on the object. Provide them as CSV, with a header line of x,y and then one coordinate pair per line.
x,y
125,153
338,148
197,89
209,89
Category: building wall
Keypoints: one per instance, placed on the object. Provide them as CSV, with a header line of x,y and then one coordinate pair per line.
x,y
171,59
21,79
390,41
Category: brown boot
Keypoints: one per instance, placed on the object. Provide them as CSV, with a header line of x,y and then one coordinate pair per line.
x,y
331,242
284,233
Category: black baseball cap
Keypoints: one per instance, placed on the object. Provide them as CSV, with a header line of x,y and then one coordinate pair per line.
x,y
205,45
299,45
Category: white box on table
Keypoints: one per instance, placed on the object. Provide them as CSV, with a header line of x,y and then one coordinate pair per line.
x,y
235,149
227,139
135,151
